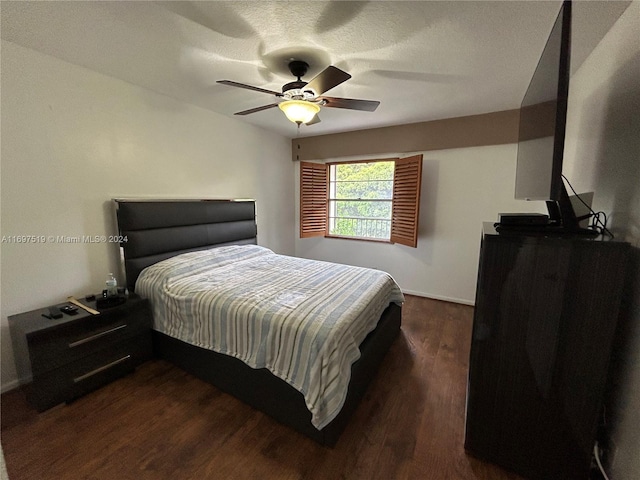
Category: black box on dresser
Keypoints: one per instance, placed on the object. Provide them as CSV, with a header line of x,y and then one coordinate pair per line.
x,y
73,355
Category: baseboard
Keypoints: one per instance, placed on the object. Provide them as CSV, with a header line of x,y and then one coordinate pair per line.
x,y
439,297
12,385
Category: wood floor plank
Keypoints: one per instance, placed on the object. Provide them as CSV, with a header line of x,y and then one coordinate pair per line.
x,y
162,423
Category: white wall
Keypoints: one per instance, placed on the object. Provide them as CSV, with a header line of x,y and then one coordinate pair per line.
x,y
461,189
72,139
603,154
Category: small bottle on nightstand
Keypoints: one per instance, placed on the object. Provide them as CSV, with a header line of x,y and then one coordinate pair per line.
x,y
112,286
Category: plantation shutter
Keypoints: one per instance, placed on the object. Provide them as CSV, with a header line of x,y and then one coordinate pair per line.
x,y
314,186
406,200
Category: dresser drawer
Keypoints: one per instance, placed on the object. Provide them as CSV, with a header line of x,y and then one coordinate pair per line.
x,y
88,373
52,348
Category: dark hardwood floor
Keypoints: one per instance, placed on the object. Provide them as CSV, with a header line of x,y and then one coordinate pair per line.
x,y
161,423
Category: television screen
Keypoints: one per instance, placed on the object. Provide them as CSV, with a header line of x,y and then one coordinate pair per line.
x,y
542,118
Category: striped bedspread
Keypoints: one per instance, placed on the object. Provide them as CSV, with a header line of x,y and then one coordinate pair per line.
x,y
301,319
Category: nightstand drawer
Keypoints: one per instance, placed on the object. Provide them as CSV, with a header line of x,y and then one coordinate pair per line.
x,y
51,349
88,373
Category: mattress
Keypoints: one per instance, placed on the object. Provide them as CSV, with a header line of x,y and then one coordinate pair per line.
x,y
301,319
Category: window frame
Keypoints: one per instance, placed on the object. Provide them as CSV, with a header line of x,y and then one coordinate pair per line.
x,y
329,199
405,203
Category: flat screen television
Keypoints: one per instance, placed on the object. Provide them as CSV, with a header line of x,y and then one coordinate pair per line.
x,y
543,115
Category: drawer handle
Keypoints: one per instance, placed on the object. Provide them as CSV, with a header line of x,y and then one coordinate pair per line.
x,y
97,335
101,369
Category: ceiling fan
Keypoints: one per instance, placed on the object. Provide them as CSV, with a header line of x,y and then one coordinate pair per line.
x,y
301,101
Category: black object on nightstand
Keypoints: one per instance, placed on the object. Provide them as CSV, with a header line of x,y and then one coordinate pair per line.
x,y
70,356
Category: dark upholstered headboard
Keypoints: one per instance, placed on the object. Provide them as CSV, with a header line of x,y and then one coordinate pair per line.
x,y
158,229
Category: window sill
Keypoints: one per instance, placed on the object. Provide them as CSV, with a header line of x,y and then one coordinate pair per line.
x,y
365,239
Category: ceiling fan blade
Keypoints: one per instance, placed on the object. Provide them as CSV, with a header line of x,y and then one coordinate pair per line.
x,y
314,120
351,104
257,109
327,79
249,87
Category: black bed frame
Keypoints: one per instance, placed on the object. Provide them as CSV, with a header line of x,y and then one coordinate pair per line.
x,y
159,229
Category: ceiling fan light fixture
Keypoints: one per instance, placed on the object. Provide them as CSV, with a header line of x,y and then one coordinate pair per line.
x,y
299,111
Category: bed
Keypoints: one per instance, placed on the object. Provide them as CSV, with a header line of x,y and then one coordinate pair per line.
x,y
198,246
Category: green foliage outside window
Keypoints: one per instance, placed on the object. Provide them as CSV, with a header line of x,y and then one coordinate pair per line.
x,y
360,199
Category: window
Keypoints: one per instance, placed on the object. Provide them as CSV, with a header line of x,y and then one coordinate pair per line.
x,y
375,199
360,196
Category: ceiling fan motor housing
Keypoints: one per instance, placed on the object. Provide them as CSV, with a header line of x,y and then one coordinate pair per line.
x,y
295,90
298,94
293,86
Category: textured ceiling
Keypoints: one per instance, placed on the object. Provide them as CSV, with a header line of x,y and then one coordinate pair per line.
x,y
423,60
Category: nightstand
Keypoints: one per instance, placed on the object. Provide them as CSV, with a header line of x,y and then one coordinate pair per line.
x,y
72,355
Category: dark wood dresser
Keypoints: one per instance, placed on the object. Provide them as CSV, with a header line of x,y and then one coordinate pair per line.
x,y
545,318
72,355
